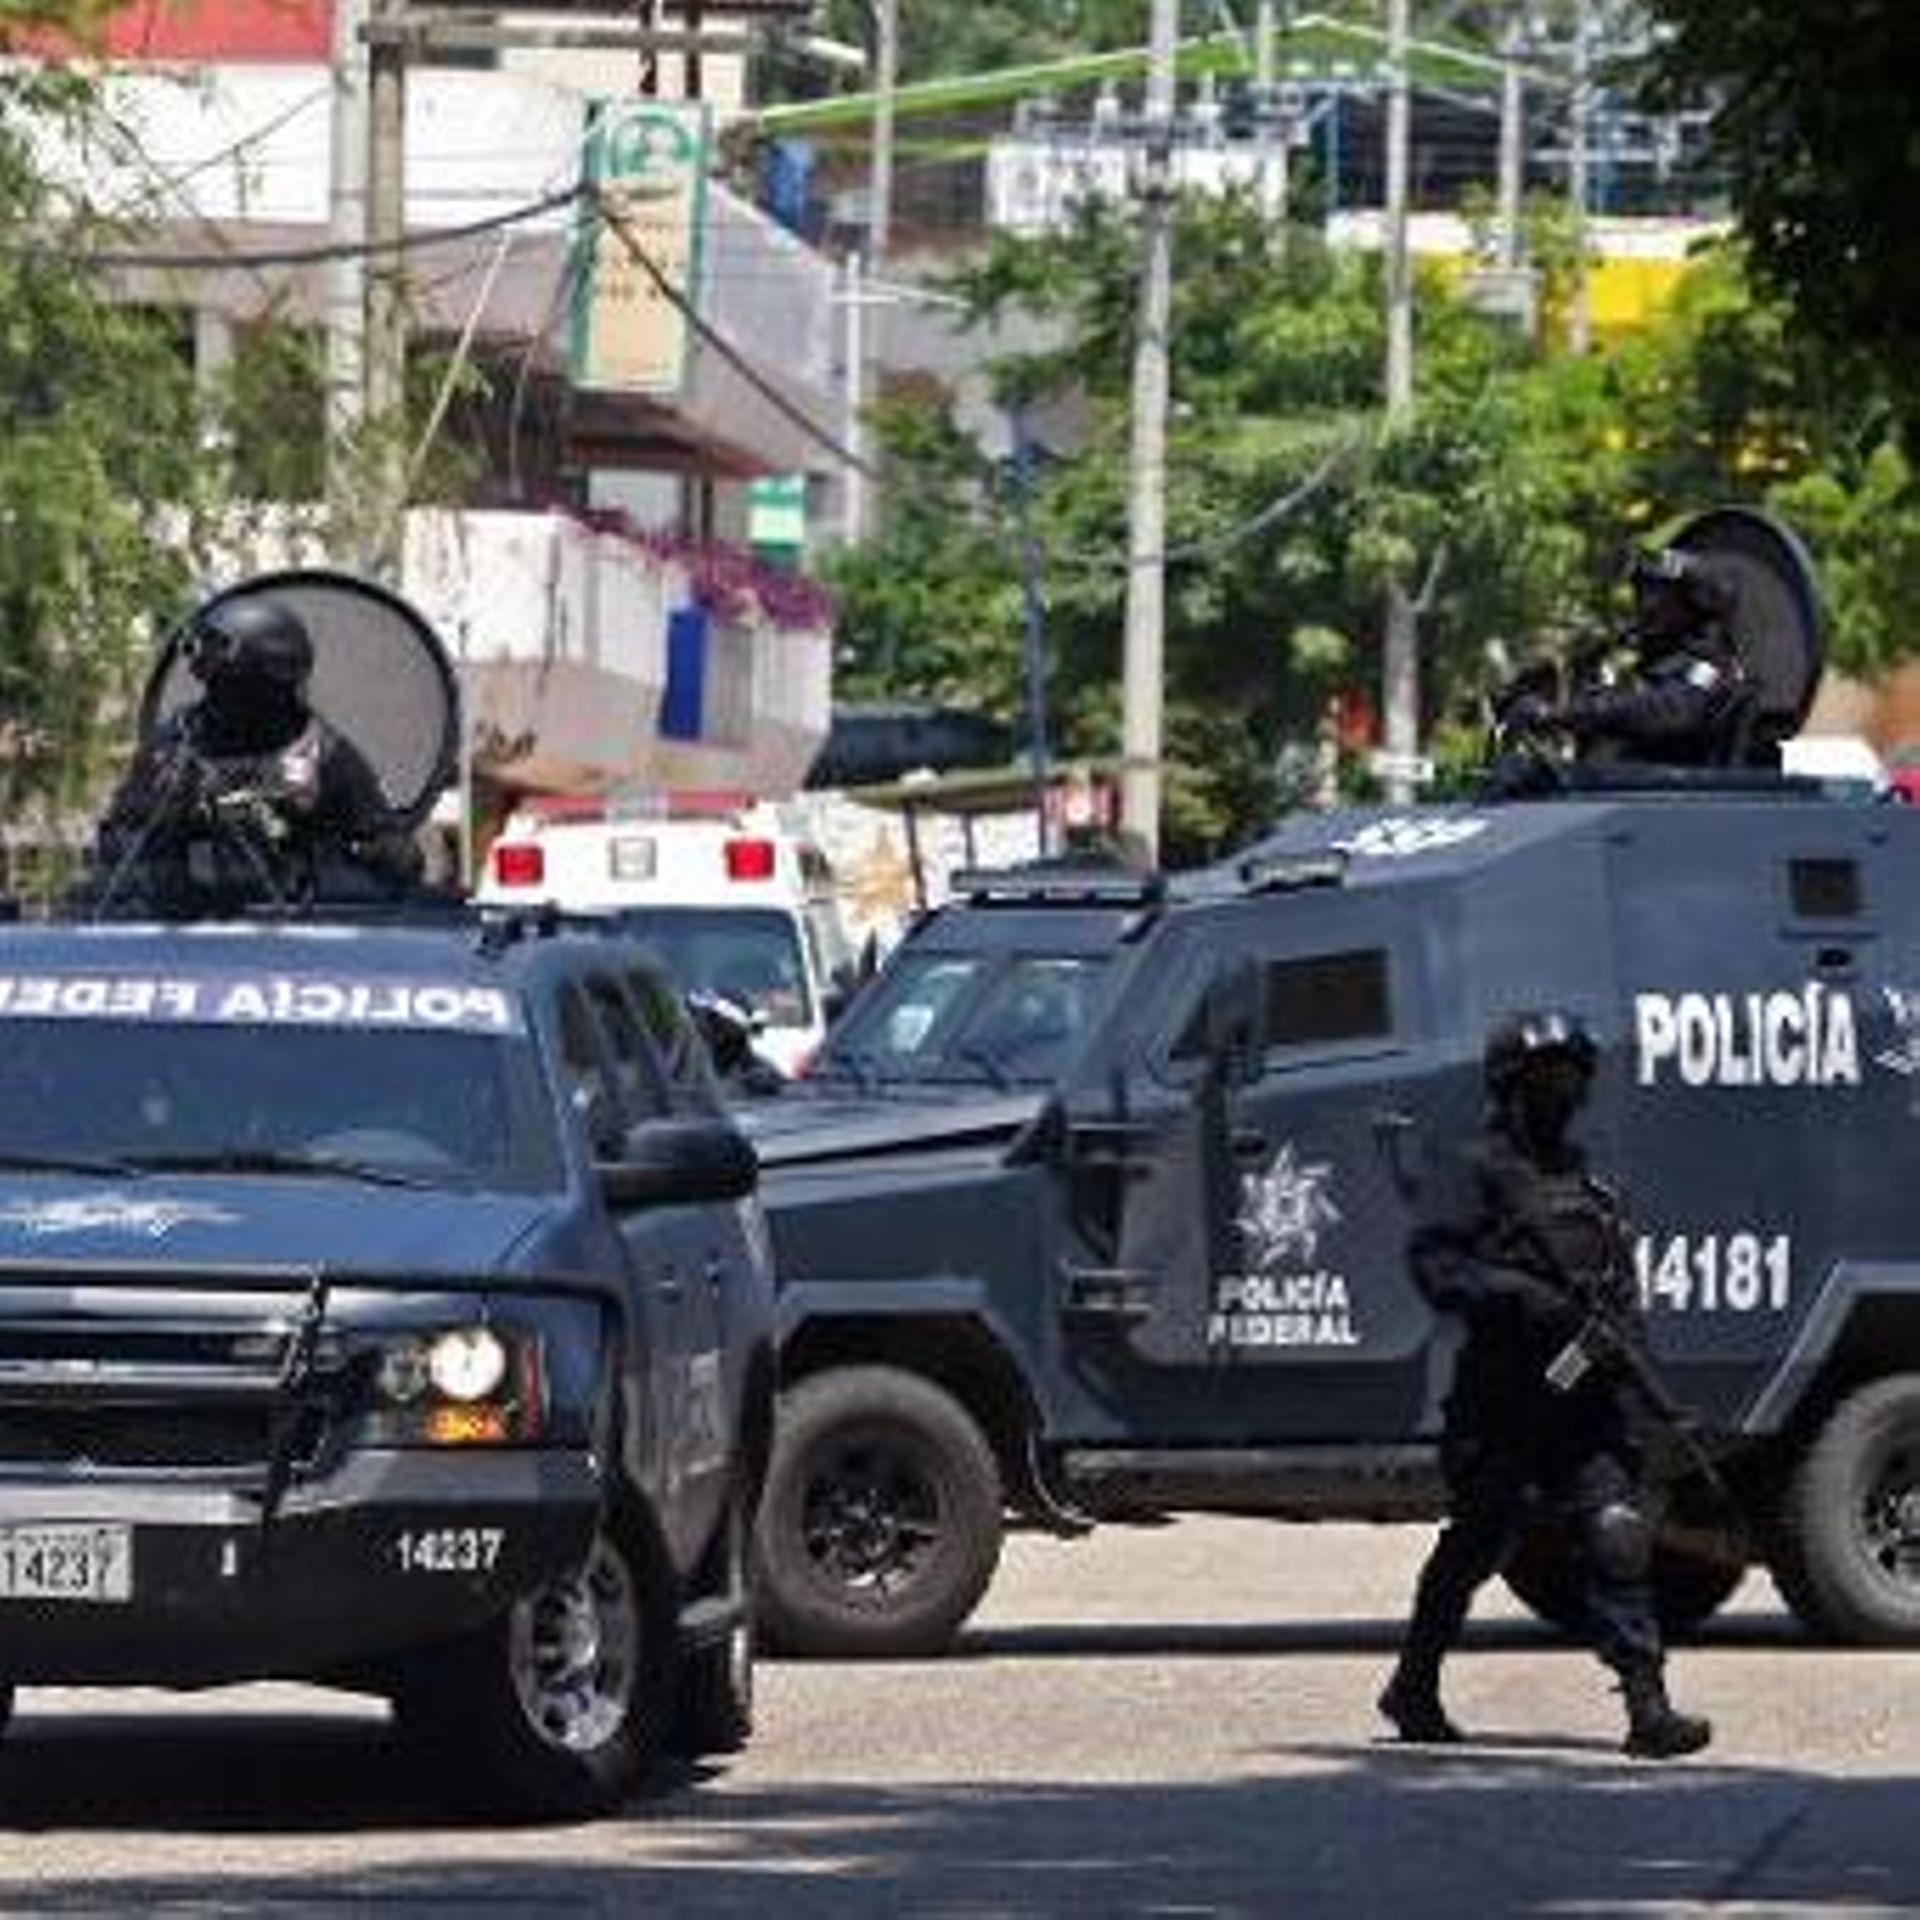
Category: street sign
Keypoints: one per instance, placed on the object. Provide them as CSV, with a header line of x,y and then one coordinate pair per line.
x,y
1416,767
648,161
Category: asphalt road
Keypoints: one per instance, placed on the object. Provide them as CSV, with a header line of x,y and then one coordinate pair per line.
x,y
1170,1722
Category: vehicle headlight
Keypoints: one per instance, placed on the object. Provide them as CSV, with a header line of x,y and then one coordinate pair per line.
x,y
467,1364
455,1386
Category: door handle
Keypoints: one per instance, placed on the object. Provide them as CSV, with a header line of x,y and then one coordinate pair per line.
x,y
669,1286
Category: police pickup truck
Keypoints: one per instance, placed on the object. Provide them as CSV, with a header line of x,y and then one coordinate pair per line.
x,y
380,1304
1098,1203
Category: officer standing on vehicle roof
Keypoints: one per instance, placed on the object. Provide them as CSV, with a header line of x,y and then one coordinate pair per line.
x,y
1690,701
246,794
1540,1409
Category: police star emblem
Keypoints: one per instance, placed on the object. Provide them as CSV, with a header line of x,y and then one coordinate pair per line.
x,y
1284,1210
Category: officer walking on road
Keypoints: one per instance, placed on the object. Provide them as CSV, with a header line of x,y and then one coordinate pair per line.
x,y
1542,1406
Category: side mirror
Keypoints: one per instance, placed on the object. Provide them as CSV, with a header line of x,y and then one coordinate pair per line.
x,y
680,1163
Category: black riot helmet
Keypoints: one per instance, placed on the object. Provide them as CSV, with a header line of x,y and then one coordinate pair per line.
x,y
1527,1044
252,640
1675,595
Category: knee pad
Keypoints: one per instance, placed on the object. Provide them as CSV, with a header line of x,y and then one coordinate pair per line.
x,y
1619,1538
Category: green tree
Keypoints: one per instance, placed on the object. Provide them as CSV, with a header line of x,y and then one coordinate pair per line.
x,y
1288,513
1814,123
1509,499
102,476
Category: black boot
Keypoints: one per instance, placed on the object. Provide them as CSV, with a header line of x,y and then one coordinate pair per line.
x,y
1655,1730
1411,1700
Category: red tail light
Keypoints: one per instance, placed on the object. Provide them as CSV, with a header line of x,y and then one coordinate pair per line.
x,y
516,864
749,859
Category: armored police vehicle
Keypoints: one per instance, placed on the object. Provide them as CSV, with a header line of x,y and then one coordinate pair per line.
x,y
383,1301
1135,1245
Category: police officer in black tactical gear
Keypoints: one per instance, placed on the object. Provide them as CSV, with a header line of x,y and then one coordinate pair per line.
x,y
1689,700
1542,1410
246,795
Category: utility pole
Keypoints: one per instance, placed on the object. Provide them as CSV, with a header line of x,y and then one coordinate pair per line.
x,y
346,273
859,495
886,74
1401,650
1512,152
1143,668
386,369
1033,627
1263,45
1579,189
853,479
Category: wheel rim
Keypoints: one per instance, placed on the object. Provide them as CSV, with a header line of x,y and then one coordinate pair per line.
x,y
874,1517
574,1650
1889,1515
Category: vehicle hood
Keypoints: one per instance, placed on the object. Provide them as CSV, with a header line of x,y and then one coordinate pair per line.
x,y
232,1222
805,1126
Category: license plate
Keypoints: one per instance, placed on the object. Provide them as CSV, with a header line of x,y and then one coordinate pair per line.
x,y
66,1563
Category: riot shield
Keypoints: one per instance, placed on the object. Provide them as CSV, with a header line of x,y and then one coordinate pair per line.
x,y
1777,621
382,679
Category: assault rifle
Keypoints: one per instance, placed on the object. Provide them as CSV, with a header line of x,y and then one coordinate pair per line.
x,y
1605,1339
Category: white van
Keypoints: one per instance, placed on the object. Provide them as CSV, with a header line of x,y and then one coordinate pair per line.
x,y
733,903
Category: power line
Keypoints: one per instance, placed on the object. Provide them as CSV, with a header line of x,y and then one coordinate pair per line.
x,y
163,182
676,297
407,244
1281,507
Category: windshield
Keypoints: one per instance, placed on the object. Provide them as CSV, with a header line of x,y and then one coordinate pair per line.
x,y
1009,1019
448,1108
749,955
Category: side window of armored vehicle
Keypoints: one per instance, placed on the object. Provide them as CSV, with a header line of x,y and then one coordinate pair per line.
x,y
587,1068
1824,889
637,1072
1328,999
1310,1002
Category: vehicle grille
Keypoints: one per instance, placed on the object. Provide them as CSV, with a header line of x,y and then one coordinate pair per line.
x,y
122,1376
173,1437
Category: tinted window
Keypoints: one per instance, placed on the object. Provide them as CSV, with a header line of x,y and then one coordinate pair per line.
x,y
1321,999
586,1071
468,1108
909,1014
675,1039
1328,997
1005,1017
1825,889
642,1085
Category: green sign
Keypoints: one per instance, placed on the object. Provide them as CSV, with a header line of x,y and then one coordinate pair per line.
x,y
777,511
633,318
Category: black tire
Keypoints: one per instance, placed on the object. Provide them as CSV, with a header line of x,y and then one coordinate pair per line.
x,y
881,1523
1689,1587
6,1705
1847,1553
713,1696
559,1708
